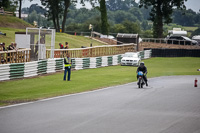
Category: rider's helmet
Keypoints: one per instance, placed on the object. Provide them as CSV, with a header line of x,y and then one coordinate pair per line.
x,y
141,63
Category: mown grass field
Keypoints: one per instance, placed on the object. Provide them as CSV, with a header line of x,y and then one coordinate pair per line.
x,y
23,90
74,41
190,28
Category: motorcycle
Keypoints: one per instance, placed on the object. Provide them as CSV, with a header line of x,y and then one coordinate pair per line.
x,y
140,79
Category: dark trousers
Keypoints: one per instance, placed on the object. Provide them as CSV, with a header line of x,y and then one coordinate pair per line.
x,y
144,77
65,73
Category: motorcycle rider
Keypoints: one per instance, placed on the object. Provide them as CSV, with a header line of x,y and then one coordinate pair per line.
x,y
142,68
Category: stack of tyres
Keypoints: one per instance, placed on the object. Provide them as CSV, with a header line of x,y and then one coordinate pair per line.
x,y
142,54
16,70
73,63
42,67
86,63
59,64
119,59
98,61
110,60
4,72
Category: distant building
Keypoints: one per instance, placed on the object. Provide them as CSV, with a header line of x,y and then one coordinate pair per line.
x,y
177,32
23,16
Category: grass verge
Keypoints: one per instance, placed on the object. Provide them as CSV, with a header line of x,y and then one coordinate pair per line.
x,y
23,90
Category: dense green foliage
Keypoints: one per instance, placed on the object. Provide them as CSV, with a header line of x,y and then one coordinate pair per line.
x,y
119,12
17,91
186,17
161,13
9,5
104,18
41,21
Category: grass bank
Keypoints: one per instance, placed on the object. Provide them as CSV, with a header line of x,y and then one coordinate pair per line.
x,y
24,90
74,41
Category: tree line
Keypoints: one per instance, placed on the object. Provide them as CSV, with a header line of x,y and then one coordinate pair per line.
x,y
148,16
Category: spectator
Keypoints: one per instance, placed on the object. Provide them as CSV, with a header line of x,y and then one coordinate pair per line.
x,y
2,48
66,45
61,45
3,45
11,46
15,46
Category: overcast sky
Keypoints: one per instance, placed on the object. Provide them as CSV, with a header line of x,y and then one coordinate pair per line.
x,y
190,4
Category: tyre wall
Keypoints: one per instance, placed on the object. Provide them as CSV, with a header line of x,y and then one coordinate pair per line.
x,y
175,52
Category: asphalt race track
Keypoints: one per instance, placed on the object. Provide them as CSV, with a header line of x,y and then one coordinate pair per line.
x,y
169,105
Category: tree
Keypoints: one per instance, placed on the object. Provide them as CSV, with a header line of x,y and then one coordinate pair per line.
x,y
161,12
41,21
66,6
132,27
9,5
104,19
186,17
114,5
54,11
58,10
20,7
37,8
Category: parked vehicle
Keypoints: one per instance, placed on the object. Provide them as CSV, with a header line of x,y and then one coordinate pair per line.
x,y
182,40
196,38
131,59
140,79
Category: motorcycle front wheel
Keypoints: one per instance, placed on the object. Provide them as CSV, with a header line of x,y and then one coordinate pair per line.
x,y
140,85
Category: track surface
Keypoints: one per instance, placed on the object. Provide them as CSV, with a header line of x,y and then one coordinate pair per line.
x,y
169,105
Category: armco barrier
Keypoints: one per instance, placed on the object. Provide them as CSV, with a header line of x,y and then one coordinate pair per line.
x,y
29,69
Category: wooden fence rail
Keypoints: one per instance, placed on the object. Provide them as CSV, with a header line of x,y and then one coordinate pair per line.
x,y
15,56
2,12
23,55
92,51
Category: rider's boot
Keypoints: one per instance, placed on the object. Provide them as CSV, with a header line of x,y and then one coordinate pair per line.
x,y
146,83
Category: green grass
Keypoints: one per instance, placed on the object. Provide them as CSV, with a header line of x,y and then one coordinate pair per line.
x,y
7,20
10,25
10,35
190,28
23,90
74,41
